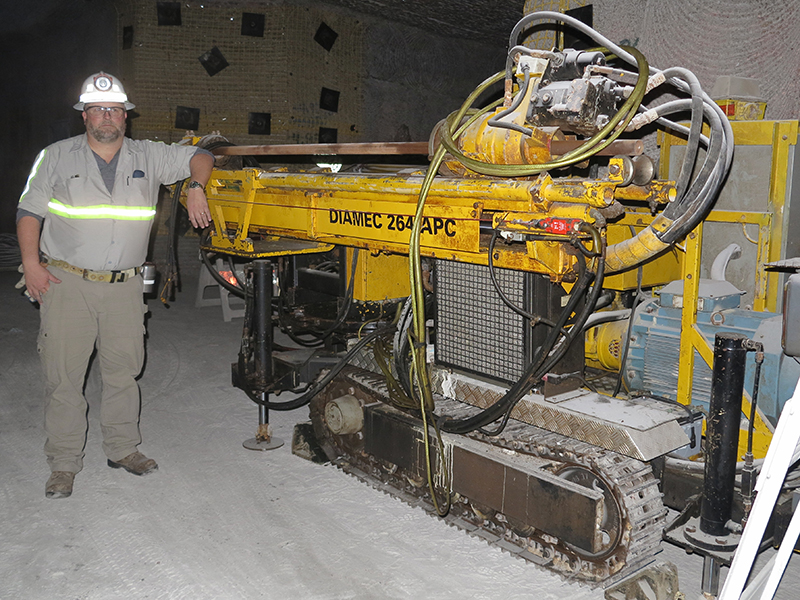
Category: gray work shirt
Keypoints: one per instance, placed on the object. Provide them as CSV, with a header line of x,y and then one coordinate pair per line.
x,y
85,224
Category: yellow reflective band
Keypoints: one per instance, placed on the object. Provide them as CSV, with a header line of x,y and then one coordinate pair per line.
x,y
36,164
102,211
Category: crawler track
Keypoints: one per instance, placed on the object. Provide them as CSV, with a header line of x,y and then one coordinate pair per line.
x,y
633,516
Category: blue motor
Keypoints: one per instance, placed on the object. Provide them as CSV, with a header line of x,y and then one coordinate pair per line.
x,y
653,353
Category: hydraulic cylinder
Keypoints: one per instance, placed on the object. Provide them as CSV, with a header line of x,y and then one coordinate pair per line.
x,y
722,432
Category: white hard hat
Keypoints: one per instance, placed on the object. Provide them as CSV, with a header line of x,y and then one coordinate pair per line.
x,y
102,87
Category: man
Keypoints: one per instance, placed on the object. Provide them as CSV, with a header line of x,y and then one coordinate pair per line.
x,y
83,224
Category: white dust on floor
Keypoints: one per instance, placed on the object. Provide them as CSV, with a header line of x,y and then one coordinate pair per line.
x,y
218,521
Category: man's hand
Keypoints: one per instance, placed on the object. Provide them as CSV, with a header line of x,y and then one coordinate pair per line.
x,y
37,277
197,205
37,280
200,167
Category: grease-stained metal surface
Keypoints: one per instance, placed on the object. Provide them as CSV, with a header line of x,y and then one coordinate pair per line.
x,y
639,429
376,211
510,489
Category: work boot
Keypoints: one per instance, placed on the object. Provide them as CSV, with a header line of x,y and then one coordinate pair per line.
x,y
59,485
136,463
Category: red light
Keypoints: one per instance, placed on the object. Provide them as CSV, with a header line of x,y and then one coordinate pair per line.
x,y
559,226
229,277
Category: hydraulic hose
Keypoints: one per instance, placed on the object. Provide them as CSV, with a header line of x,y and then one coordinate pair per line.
x,y
695,129
171,275
613,129
237,291
669,228
319,385
551,351
534,319
496,120
417,296
340,317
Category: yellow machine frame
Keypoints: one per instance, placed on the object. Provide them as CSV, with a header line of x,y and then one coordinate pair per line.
x,y
312,212
780,135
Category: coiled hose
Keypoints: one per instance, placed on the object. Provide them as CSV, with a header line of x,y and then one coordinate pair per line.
x,y
692,205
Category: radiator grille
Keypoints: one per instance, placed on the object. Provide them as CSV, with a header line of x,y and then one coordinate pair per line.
x,y
475,330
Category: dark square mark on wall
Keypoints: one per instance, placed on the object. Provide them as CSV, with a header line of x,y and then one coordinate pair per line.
x,y
187,118
127,37
574,38
169,13
213,61
325,36
329,100
258,123
253,24
327,135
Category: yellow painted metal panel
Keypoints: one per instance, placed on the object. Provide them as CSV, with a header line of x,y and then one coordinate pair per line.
x,y
380,277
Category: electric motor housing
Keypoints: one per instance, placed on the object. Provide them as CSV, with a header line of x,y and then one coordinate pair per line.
x,y
653,355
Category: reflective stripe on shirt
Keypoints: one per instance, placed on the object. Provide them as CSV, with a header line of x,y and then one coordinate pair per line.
x,y
102,211
36,164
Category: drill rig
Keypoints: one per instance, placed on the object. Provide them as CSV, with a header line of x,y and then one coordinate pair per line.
x,y
442,310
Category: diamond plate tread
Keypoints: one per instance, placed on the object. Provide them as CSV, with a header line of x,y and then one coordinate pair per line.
x,y
549,417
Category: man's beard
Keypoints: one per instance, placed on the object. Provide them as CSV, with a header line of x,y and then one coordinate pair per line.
x,y
105,135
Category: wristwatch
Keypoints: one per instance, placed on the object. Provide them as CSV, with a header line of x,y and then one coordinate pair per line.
x,y
196,184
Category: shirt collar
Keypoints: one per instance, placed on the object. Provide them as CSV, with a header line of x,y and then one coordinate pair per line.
x,y
81,142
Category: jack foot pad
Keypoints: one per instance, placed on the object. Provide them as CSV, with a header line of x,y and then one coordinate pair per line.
x,y
257,444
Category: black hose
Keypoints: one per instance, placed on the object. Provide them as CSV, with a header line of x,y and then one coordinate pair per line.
x,y
555,355
495,120
695,128
703,189
318,386
235,290
232,267
550,353
535,319
690,208
754,400
340,317
171,267
664,399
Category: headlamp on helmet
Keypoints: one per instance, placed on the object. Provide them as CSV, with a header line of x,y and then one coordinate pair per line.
x,y
102,87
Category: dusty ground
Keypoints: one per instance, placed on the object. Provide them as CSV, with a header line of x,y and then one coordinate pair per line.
x,y
217,521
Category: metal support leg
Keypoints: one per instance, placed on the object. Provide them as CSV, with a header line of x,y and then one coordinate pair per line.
x,y
262,306
722,432
710,533
722,443
710,581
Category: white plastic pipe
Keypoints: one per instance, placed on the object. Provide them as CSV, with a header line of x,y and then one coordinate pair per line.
x,y
782,559
770,480
720,264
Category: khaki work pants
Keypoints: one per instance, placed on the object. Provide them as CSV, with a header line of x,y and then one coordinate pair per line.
x,y
76,316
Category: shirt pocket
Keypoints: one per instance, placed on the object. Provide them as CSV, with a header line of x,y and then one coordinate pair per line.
x,y
76,191
137,190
